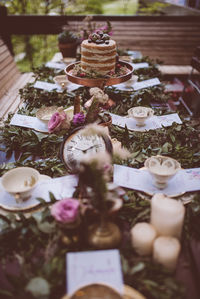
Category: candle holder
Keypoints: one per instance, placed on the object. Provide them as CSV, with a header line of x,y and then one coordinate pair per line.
x,y
104,235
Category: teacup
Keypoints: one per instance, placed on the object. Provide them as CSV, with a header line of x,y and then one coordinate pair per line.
x,y
20,182
61,81
132,81
45,113
140,114
162,169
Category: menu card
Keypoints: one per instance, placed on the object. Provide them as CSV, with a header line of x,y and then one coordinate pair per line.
x,y
152,123
29,122
102,266
186,180
62,187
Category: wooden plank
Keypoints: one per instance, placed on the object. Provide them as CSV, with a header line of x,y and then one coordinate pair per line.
x,y
11,101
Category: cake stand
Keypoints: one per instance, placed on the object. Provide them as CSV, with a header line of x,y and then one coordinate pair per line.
x,y
99,82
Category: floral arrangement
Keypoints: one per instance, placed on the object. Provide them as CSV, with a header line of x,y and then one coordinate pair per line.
x,y
66,211
93,112
58,121
120,70
90,27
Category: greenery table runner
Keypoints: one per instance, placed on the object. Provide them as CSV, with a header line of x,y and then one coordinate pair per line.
x,y
35,246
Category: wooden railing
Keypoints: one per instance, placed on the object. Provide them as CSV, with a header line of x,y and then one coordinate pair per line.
x,y
167,37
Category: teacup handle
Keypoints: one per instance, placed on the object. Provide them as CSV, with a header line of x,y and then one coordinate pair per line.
x,y
17,197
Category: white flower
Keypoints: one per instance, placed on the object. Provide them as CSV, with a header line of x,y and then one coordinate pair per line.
x,y
119,151
94,129
98,94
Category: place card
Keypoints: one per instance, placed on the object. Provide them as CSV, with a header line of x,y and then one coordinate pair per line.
x,y
56,65
138,85
46,86
140,65
102,266
146,83
27,121
154,122
186,180
52,86
62,187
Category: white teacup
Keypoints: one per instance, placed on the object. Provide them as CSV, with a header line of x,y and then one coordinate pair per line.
x,y
162,169
20,182
140,114
61,81
45,113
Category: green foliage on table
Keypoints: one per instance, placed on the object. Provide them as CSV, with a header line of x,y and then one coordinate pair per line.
x,y
35,242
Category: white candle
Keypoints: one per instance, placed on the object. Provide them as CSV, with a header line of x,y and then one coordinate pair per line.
x,y
167,215
142,238
166,251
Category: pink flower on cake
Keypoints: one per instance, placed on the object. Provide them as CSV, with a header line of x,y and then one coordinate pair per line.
x,y
66,210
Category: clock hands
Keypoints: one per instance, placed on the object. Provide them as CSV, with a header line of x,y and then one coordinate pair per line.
x,y
85,150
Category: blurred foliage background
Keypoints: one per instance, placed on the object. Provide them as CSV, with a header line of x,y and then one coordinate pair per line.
x,y
34,50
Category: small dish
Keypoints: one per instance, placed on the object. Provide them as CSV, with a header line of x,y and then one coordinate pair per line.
x,y
162,169
132,81
20,182
140,114
44,113
61,81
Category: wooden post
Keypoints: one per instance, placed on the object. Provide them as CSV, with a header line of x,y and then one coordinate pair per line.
x,y
5,34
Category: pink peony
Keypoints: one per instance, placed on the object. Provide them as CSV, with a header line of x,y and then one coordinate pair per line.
x,y
56,121
66,210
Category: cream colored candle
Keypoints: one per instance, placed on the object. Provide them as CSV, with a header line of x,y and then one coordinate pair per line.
x,y
166,251
167,215
142,238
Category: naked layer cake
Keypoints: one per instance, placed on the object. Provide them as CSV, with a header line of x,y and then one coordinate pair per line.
x,y
98,54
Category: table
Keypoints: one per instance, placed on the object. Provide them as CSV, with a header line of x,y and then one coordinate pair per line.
x,y
189,256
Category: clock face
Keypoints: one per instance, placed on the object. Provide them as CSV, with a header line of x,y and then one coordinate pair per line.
x,y
77,145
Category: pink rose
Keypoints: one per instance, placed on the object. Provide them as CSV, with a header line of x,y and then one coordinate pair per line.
x,y
56,121
65,210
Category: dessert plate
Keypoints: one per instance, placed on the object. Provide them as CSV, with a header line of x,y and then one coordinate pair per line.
x,y
8,203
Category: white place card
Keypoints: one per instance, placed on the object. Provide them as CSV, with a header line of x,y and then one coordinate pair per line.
x,y
138,85
46,86
152,123
146,83
186,180
102,266
62,187
28,122
56,65
140,65
51,86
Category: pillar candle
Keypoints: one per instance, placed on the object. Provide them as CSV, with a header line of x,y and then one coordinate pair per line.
x,y
167,215
142,238
166,251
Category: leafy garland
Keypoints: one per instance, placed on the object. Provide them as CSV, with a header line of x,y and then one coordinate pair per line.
x,y
39,236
